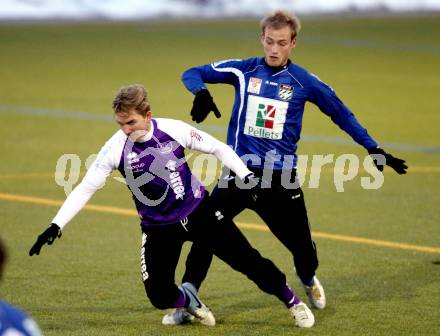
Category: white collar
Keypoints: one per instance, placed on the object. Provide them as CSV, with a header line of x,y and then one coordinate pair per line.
x,y
149,135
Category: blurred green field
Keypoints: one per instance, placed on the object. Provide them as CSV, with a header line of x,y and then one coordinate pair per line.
x,y
57,83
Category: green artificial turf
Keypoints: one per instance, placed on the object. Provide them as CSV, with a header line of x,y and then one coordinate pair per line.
x,y
57,84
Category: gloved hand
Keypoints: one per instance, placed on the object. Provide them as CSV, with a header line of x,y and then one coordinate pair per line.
x,y
397,164
251,180
48,236
248,186
202,105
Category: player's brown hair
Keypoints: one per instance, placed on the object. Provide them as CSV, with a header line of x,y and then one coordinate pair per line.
x,y
131,97
280,19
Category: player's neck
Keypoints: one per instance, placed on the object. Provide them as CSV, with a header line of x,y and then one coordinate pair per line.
x,y
280,67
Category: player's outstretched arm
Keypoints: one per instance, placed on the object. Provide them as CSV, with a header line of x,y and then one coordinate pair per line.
x,y
203,104
76,200
47,237
387,159
93,180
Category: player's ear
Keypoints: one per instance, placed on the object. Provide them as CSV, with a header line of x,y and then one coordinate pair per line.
x,y
149,115
293,42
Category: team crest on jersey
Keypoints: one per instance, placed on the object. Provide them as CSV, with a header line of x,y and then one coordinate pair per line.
x,y
165,148
254,85
285,92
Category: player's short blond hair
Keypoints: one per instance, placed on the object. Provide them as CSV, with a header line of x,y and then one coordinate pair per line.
x,y
280,19
132,97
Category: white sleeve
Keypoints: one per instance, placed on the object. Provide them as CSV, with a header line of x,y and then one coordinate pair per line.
x,y
106,161
193,138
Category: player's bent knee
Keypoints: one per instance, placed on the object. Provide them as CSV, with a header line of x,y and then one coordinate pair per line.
x,y
161,302
160,297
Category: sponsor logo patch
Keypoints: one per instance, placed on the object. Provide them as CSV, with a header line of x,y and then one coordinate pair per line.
x,y
175,180
133,162
271,83
265,117
219,215
132,157
254,85
144,271
194,134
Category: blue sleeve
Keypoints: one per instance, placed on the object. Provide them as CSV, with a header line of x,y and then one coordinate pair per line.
x,y
195,78
328,102
13,320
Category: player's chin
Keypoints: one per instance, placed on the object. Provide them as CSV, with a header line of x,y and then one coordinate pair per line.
x,y
136,135
274,61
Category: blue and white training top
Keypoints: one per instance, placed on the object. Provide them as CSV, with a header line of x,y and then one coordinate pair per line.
x,y
15,322
155,169
269,106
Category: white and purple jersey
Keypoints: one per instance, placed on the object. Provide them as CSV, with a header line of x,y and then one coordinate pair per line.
x,y
155,170
167,191
269,106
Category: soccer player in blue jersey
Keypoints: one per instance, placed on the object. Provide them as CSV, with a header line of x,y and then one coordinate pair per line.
x,y
264,129
13,321
173,207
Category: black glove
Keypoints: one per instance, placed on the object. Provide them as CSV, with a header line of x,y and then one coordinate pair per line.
x,y
397,164
251,180
247,188
202,105
48,236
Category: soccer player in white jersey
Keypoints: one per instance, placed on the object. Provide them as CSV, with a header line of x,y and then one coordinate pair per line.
x,y
173,207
